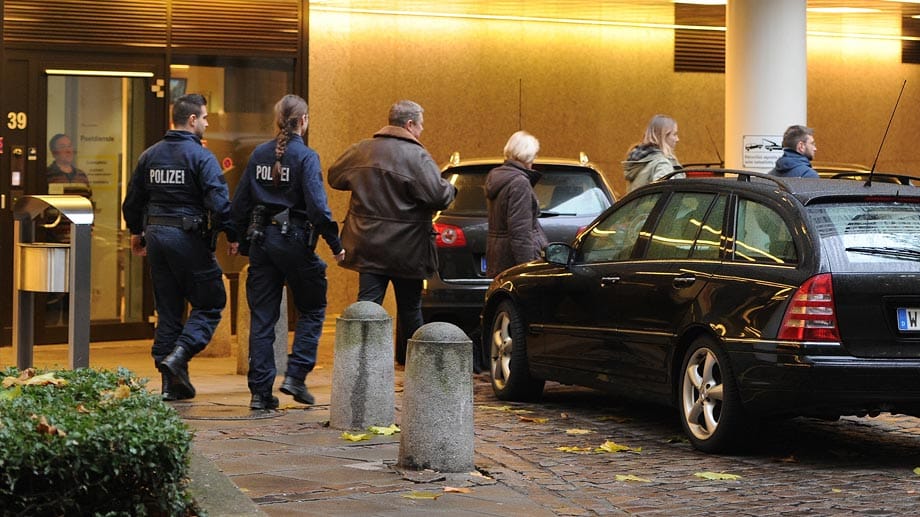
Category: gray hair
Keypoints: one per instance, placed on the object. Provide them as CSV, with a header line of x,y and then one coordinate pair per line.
x,y
522,146
404,111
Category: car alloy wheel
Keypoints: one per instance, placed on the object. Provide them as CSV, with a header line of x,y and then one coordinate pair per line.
x,y
511,379
710,404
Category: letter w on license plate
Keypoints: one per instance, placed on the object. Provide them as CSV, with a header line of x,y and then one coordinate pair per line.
x,y
909,318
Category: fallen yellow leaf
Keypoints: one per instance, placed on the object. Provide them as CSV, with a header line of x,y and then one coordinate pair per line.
x,y
421,495
576,450
385,431
917,471
495,408
533,419
610,446
717,476
455,490
576,432
630,477
122,392
355,437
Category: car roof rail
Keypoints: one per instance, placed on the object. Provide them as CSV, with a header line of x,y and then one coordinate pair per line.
x,y
709,172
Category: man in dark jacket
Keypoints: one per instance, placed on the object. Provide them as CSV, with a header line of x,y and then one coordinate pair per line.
x,y
798,152
176,188
395,189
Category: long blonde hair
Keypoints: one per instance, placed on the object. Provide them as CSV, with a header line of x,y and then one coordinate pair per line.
x,y
657,131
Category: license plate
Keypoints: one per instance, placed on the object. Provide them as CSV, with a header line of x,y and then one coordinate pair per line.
x,y
908,318
482,264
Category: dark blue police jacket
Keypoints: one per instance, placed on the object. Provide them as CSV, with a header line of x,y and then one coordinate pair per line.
x,y
178,177
299,188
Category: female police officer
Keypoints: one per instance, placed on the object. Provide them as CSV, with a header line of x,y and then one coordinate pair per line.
x,y
281,207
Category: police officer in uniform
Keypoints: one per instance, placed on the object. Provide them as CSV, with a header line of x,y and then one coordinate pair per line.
x,y
281,205
176,188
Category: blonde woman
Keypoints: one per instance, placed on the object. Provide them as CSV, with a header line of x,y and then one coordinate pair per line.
x,y
653,158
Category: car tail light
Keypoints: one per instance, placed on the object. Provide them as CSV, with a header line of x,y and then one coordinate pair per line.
x,y
810,315
449,236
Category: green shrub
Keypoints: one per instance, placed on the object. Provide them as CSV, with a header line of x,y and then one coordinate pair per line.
x,y
88,442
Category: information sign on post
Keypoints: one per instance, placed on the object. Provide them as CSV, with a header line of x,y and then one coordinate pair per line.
x,y
761,151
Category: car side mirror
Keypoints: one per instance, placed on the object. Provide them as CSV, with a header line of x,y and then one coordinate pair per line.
x,y
558,253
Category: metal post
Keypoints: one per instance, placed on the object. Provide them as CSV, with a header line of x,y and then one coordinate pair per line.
x,y
78,319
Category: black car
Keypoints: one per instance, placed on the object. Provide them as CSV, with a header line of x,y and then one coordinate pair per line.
x,y
571,194
733,299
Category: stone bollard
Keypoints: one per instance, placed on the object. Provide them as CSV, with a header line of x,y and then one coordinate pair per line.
x,y
362,370
220,341
437,431
242,329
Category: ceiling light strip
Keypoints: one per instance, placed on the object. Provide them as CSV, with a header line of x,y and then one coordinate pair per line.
x,y
97,73
576,21
573,21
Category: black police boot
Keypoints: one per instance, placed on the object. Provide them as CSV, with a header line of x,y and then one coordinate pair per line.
x,y
176,366
296,389
263,401
166,392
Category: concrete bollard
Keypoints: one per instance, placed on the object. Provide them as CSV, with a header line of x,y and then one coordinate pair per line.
x,y
362,371
437,431
242,329
220,341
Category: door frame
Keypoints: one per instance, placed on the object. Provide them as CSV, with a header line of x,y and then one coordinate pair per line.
x,y
27,88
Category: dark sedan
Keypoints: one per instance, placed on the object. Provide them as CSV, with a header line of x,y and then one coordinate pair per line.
x,y
733,299
571,194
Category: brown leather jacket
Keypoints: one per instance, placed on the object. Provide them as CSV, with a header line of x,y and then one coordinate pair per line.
x,y
395,189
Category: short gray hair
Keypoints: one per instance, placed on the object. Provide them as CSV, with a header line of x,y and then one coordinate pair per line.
x,y
404,111
523,147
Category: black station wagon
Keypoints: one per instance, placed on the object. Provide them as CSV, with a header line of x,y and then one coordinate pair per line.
x,y
734,297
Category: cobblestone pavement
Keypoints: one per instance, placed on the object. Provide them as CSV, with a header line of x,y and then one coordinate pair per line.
x,y
855,466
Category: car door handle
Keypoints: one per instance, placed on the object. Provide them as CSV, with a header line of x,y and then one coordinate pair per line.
x,y
683,281
607,281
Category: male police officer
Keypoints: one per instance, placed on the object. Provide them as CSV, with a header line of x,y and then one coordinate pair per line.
x,y
176,186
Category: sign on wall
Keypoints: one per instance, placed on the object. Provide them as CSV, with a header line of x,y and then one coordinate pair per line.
x,y
761,151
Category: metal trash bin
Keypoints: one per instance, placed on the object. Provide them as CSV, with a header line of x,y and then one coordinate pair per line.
x,y
46,267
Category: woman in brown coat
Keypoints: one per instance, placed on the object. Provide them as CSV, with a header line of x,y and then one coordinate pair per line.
x,y
515,235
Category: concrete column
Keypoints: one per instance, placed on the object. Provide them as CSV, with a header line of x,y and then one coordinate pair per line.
x,y
220,341
363,379
765,78
243,325
436,430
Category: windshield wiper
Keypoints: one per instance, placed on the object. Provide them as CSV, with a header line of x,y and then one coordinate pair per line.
x,y
887,251
547,213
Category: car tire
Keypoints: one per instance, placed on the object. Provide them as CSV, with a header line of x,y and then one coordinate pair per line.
x,y
508,363
711,411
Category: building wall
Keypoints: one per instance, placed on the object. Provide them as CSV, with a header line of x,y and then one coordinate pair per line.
x,y
577,88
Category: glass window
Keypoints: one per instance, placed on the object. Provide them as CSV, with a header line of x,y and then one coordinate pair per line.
x,y
615,237
679,225
869,236
761,235
708,243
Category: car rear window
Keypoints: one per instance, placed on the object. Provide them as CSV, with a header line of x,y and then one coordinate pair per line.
x,y
563,190
869,236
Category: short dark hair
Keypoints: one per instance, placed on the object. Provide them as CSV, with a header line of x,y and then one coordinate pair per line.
x,y
186,106
52,144
796,134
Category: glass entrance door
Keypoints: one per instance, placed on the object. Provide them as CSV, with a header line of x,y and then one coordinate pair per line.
x,y
95,131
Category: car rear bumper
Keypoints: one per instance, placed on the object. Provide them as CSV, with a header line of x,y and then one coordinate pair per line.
x,y
459,302
826,385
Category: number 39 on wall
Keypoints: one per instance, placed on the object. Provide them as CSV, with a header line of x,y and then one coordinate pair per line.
x,y
17,120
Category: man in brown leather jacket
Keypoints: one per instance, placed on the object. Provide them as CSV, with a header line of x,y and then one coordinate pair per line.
x,y
395,189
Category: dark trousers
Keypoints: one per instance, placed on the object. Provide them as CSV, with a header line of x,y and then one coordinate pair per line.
x,y
183,269
279,260
373,287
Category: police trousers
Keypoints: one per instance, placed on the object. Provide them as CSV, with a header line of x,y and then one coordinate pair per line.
x,y
276,261
183,269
